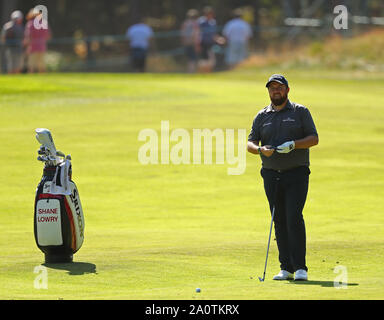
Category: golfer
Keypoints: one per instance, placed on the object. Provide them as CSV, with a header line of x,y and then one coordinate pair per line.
x,y
282,134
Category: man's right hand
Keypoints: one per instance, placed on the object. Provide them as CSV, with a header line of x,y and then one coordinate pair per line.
x,y
266,151
253,147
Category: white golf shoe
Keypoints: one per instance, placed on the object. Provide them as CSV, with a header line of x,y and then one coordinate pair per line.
x,y
301,274
283,275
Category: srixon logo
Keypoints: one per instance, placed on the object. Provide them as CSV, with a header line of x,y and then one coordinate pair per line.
x,y
76,202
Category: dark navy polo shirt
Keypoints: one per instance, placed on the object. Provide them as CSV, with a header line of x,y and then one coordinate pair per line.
x,y
272,127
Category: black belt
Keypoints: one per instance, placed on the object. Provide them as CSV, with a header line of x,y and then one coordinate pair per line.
x,y
282,170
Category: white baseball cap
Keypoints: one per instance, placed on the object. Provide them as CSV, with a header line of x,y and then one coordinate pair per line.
x,y
16,15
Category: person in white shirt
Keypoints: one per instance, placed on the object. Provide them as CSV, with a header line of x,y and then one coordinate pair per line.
x,y
139,36
237,33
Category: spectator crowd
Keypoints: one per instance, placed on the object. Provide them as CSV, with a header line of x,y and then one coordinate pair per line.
x,y
199,37
25,45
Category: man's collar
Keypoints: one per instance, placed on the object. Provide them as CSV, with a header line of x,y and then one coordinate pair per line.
x,y
287,106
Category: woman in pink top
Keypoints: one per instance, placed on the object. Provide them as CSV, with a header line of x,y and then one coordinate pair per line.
x,y
35,39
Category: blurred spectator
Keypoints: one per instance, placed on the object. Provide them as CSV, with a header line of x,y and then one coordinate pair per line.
x,y
208,30
237,33
12,36
190,38
139,36
35,40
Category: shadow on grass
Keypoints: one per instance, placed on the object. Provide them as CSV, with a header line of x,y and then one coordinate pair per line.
x,y
320,283
73,268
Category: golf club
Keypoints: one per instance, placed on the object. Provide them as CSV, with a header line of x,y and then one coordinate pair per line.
x,y
45,138
269,240
43,158
47,152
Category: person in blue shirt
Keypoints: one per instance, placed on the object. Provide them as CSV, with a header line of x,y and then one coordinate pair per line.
x,y
139,36
208,29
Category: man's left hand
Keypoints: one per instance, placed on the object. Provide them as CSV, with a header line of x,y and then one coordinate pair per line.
x,y
286,147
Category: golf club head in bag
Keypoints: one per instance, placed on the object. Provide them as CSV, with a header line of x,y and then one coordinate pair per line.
x,y
58,216
47,148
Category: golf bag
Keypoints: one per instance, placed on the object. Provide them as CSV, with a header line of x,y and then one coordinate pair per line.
x,y
58,217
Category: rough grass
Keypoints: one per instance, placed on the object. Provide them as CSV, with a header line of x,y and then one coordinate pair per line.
x,y
363,52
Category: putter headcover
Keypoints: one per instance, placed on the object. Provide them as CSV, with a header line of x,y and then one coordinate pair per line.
x,y
45,138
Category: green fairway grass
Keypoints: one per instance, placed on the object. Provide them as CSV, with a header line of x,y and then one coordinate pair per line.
x,y
161,231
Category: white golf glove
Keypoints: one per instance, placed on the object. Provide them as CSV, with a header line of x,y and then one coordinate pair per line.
x,y
286,147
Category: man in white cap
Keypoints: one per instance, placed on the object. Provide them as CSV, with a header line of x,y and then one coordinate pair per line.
x,y
12,36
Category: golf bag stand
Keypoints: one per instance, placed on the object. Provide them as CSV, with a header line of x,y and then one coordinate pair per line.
x,y
58,216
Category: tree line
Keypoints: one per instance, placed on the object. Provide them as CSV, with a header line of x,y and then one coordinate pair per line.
x,y
102,17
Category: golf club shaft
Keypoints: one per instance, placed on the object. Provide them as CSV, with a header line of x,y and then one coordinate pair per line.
x,y
269,241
